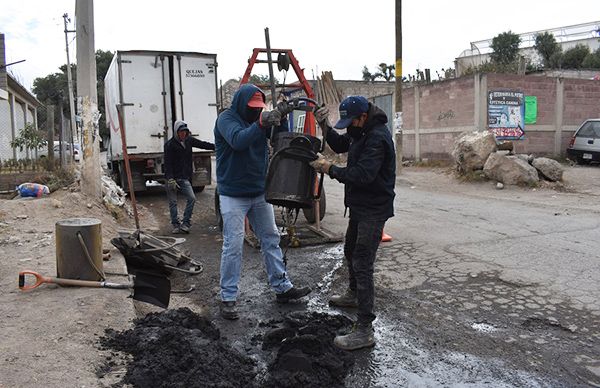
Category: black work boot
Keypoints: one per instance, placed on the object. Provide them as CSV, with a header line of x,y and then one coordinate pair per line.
x,y
348,299
361,336
293,294
228,310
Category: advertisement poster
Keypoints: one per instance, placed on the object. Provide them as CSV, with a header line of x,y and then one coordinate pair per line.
x,y
506,114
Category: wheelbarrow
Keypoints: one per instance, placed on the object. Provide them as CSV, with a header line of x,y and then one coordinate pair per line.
x,y
146,252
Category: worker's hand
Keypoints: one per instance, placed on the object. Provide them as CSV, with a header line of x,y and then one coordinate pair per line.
x,y
269,119
284,108
321,164
172,184
322,117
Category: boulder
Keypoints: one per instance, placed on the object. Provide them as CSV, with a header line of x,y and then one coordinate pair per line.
x,y
472,149
549,168
510,170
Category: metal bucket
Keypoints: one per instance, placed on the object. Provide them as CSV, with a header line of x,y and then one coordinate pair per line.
x,y
72,261
290,179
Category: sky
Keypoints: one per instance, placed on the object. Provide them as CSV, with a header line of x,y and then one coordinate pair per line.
x,y
337,36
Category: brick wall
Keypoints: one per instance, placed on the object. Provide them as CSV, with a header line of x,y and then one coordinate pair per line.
x,y
581,100
543,88
447,104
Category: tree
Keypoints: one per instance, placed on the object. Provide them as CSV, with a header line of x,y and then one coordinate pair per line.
x,y
29,138
573,57
592,60
53,88
103,61
506,48
384,71
546,47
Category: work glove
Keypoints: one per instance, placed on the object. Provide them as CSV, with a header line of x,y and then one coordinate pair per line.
x,y
322,117
172,184
269,119
321,164
284,108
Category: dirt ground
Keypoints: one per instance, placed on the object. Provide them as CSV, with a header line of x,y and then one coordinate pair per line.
x,y
87,337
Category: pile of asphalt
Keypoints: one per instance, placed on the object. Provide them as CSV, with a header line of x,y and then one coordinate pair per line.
x,y
178,348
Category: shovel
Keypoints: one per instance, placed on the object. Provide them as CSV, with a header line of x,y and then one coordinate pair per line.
x,y
147,287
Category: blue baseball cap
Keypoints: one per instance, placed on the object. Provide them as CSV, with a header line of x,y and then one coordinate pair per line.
x,y
351,108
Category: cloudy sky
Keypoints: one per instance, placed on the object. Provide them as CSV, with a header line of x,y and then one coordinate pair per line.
x,y
337,36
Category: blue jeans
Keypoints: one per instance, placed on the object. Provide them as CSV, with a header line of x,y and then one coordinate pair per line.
x,y
188,193
262,219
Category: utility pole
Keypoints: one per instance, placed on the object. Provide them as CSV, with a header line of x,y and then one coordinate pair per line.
x,y
87,97
398,89
70,81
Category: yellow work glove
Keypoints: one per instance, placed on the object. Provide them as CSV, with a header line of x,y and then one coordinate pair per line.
x,y
172,184
321,164
322,117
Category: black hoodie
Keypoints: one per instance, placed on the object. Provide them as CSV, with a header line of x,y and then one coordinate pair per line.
x,y
370,174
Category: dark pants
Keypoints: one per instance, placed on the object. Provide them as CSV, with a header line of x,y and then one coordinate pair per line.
x,y
185,187
360,248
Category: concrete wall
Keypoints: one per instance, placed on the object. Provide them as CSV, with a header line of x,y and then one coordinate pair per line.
x,y
434,115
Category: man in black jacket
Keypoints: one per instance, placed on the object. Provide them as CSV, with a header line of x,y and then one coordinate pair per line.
x,y
369,179
178,172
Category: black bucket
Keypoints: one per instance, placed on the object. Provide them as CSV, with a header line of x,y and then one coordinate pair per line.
x,y
290,179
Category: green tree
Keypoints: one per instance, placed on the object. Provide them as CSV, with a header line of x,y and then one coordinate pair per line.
x,y
384,71
546,47
573,57
506,48
592,60
53,88
29,138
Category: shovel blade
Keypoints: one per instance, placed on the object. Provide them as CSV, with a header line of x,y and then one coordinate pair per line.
x,y
154,288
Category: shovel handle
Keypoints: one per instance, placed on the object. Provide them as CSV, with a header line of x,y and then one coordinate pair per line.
x,y
39,279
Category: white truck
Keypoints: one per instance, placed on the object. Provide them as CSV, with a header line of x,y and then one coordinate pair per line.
x,y
156,88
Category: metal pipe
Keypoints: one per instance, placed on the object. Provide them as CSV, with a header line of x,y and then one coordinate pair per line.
x,y
164,95
271,78
127,167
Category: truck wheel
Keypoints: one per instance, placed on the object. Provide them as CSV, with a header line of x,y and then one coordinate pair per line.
x,y
218,210
309,214
198,189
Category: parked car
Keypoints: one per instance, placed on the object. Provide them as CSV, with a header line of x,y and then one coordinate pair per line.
x,y
584,146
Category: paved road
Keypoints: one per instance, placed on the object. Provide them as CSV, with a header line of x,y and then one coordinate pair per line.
x,y
479,286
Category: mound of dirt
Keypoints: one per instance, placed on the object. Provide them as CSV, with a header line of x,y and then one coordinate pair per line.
x,y
178,348
306,356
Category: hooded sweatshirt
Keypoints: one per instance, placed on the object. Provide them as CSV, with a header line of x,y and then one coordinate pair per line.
x,y
241,148
370,174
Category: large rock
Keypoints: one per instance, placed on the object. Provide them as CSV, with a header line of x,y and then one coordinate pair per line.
x,y
549,168
510,170
472,149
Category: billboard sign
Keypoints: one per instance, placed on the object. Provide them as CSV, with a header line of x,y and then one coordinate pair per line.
x,y
506,114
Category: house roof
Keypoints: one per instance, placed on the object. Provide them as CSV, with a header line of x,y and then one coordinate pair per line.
x,y
23,93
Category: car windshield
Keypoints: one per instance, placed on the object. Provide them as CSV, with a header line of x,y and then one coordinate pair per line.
x,y
591,129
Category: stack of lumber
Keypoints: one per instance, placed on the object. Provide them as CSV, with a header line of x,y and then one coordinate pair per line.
x,y
327,92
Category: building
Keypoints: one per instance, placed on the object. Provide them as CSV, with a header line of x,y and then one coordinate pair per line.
x,y
18,107
587,34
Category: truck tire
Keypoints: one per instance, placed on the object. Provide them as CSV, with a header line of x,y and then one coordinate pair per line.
x,y
198,189
218,210
309,214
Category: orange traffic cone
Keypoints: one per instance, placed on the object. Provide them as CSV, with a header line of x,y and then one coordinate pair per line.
x,y
385,237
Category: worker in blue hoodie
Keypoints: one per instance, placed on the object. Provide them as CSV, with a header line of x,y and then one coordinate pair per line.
x,y
241,141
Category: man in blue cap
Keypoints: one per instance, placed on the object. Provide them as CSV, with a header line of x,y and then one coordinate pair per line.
x,y
241,135
369,179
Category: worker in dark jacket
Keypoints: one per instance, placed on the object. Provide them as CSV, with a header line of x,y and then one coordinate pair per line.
x,y
241,134
178,172
369,179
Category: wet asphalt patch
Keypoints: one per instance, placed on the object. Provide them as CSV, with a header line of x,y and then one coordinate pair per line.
x,y
179,348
